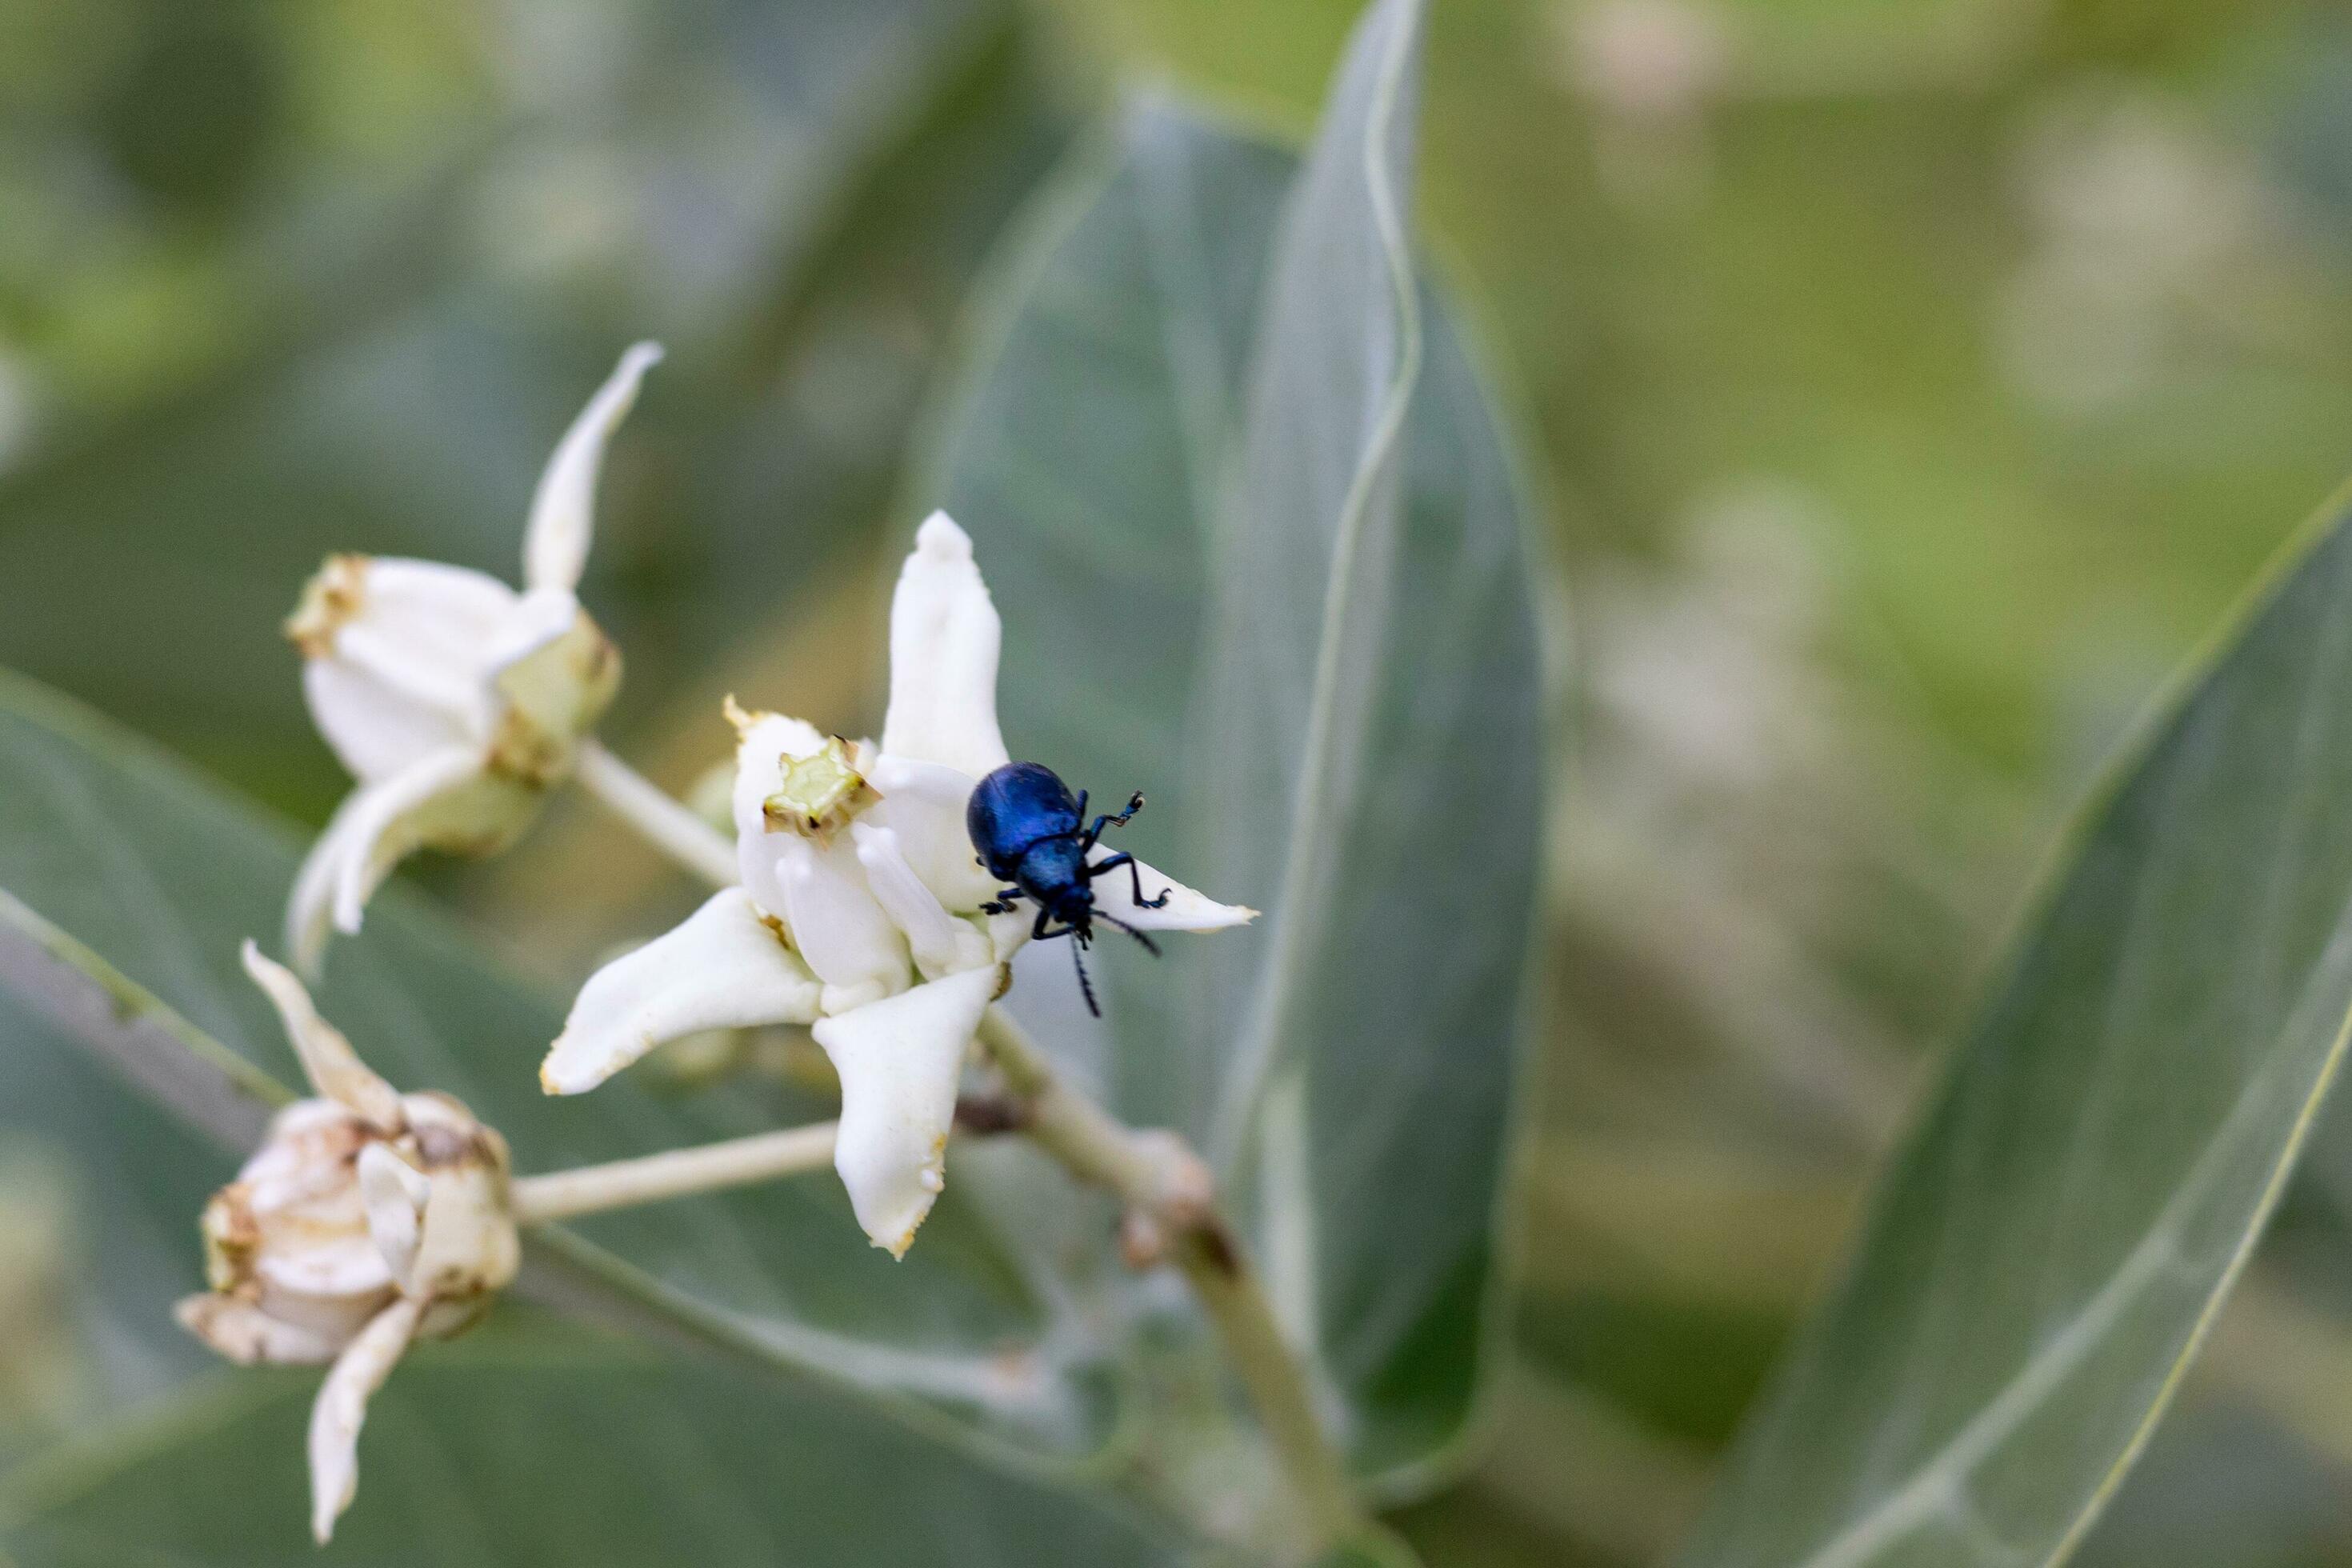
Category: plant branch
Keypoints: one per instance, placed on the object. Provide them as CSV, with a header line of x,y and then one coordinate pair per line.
x,y
666,824
1166,1185
674,1174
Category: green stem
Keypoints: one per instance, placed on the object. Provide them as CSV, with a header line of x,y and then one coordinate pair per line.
x,y
1161,1179
673,1174
665,823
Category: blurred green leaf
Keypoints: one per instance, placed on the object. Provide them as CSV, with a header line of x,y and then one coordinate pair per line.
x,y
1252,528
792,197
582,1456
2057,1235
1689,1368
2222,1484
86,1327
129,884
1376,1550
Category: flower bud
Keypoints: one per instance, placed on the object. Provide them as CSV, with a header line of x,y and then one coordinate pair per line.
x,y
367,1218
292,1252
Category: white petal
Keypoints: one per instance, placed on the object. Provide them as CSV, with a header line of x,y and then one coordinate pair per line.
x,y
345,1265
1008,931
539,617
563,512
924,804
404,674
374,730
723,968
940,943
1183,910
250,1336
432,612
900,1061
466,1243
304,1155
818,889
377,833
426,681
333,1069
836,925
396,1193
759,751
334,1320
310,907
341,1406
944,641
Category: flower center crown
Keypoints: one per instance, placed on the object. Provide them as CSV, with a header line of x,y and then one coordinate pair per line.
x,y
820,792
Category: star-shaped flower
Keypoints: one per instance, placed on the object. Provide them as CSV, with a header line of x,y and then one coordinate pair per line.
x,y
861,907
454,701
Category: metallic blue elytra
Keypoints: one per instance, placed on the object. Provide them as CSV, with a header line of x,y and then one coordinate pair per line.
x,y
1033,836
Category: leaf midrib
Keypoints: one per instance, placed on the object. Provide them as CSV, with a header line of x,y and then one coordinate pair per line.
x,y
1259,1047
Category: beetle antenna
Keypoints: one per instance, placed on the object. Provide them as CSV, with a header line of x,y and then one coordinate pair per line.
x,y
1149,946
1086,986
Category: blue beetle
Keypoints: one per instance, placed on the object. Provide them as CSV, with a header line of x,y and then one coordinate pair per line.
x,y
1030,833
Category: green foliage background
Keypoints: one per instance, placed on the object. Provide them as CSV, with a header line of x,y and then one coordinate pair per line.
x,y
1908,386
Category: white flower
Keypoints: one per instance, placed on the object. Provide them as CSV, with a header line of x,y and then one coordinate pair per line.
x,y
859,910
454,701
367,1218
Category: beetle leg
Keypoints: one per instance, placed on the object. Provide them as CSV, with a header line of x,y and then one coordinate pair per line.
x,y
1135,872
1044,918
1003,903
1134,805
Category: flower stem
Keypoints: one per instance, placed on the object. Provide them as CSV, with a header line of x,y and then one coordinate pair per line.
x,y
1159,1178
664,822
674,1174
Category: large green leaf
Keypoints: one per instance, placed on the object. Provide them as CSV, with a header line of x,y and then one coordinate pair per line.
x,y
128,886
2058,1232
512,1452
1245,507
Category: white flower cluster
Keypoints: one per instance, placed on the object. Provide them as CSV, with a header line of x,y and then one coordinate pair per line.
x,y
861,910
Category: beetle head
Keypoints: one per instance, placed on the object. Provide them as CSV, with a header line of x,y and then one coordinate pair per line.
x,y
1074,905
